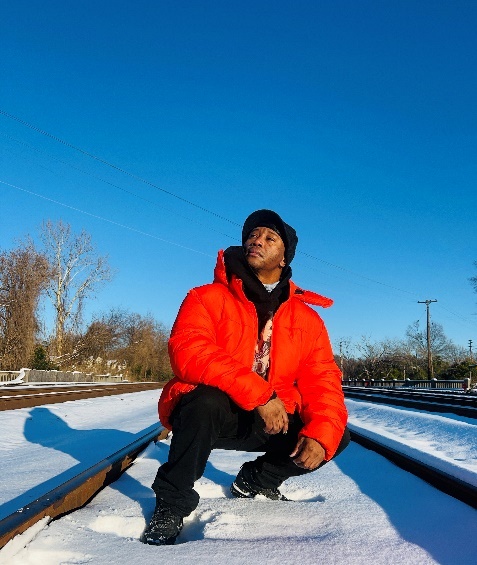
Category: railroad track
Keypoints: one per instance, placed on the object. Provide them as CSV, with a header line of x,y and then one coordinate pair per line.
x,y
12,398
439,479
460,404
78,491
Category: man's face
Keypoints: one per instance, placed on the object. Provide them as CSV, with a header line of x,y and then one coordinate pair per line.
x,y
265,253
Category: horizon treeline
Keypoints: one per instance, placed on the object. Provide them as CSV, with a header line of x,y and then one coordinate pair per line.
x,y
67,271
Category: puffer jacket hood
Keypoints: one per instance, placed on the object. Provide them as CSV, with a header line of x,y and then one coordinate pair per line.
x,y
307,296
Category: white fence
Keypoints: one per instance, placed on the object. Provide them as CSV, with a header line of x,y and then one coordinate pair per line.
x,y
38,376
407,383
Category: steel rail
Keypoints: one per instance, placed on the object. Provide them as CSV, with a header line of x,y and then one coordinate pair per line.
x,y
79,490
462,405
444,482
12,399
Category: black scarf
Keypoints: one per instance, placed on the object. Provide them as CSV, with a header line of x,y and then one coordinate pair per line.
x,y
266,303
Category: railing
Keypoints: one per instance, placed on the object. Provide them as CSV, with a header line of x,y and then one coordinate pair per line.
x,y
458,384
40,376
7,376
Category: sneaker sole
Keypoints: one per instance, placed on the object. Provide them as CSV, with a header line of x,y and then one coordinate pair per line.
x,y
152,541
234,489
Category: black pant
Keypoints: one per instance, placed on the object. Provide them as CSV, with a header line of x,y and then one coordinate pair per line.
x,y
206,419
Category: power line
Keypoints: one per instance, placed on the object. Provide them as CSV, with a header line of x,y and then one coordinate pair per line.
x,y
76,168
145,181
356,274
132,175
105,219
462,318
141,232
189,219
115,167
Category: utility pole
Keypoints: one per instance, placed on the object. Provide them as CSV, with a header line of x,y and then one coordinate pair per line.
x,y
471,358
341,359
430,371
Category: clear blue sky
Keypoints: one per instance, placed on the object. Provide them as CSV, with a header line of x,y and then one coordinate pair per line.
x,y
356,121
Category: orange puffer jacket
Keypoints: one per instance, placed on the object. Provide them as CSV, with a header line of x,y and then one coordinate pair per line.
x,y
213,342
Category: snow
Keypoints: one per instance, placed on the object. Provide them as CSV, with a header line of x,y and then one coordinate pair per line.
x,y
429,438
357,509
70,436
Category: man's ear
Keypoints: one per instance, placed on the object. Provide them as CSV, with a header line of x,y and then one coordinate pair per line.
x,y
283,263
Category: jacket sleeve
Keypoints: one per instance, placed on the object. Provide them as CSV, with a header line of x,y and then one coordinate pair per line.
x,y
196,357
323,409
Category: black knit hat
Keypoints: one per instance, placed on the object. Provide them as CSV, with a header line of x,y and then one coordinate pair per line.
x,y
270,219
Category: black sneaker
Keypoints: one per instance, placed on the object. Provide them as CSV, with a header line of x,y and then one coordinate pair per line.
x,y
163,528
243,488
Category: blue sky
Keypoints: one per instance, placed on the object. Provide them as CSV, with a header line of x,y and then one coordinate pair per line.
x,y
356,121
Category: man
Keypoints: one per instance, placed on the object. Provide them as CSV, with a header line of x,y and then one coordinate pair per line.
x,y
254,372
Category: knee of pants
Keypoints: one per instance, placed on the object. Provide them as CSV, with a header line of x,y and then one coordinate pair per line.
x,y
205,401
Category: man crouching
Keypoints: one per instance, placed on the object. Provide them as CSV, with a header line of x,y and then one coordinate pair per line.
x,y
254,371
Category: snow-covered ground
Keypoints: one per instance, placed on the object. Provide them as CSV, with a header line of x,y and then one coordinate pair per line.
x,y
358,509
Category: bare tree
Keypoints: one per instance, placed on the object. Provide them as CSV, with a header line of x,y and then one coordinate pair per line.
x,y
146,353
375,358
23,276
140,345
441,346
77,272
130,343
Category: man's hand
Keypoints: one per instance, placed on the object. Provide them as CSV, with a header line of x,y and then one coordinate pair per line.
x,y
274,416
308,453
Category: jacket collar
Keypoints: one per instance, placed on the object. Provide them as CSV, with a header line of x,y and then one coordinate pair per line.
x,y
306,296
